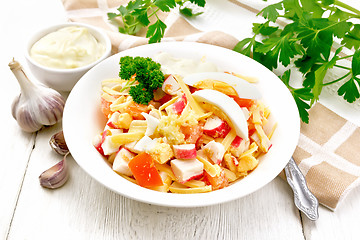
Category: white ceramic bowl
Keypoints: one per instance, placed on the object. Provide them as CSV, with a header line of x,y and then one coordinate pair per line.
x,y
63,79
83,119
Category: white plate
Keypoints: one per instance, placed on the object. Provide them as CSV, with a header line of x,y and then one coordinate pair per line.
x,y
83,119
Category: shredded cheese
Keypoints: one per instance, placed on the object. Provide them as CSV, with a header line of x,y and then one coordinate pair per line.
x,y
253,148
112,81
175,189
165,186
128,137
212,169
230,175
111,91
272,131
264,140
229,162
191,100
165,168
226,142
108,97
168,103
121,103
194,183
204,116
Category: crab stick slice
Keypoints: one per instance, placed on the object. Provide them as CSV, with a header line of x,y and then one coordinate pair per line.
x,y
185,151
216,127
186,170
121,162
215,151
170,85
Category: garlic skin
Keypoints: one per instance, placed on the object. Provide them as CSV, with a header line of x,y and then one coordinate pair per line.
x,y
37,105
58,144
56,176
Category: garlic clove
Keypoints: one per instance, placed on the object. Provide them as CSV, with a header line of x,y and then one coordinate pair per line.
x,y
26,120
14,106
50,108
56,176
58,144
37,105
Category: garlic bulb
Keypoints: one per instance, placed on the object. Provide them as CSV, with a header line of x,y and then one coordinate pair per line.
x,y
37,105
56,176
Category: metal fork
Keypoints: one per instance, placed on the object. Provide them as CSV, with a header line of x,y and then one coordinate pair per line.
x,y
305,201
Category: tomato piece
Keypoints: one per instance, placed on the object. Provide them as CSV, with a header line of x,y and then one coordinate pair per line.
x,y
135,110
193,89
216,182
192,132
251,128
143,168
243,102
105,107
165,99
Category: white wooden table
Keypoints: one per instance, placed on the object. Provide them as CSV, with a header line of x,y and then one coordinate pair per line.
x,y
84,209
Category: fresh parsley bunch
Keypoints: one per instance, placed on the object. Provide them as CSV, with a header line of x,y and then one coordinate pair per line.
x,y
137,13
144,76
314,36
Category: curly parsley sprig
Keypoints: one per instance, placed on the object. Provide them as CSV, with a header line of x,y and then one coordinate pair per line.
x,y
144,76
309,40
137,13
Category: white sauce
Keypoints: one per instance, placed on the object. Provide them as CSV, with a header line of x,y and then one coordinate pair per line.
x,y
181,66
69,47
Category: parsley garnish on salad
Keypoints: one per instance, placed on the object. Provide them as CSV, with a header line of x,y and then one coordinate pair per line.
x,y
144,76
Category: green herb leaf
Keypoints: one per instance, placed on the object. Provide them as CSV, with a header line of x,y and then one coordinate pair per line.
x,y
352,38
349,90
300,96
303,108
355,64
188,12
319,77
112,15
156,31
271,12
200,3
312,7
165,5
245,46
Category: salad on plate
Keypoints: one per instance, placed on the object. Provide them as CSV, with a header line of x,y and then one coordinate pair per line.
x,y
182,126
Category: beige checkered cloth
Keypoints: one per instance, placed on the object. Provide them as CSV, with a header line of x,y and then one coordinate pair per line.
x,y
328,149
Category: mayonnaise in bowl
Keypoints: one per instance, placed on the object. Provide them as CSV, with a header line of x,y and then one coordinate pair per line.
x,y
67,48
59,55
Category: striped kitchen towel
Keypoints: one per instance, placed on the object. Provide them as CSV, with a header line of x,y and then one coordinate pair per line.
x,y
328,155
328,149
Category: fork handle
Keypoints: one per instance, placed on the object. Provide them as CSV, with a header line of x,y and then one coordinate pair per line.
x,y
304,200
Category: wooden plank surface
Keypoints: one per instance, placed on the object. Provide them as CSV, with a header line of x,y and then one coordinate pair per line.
x,y
85,209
